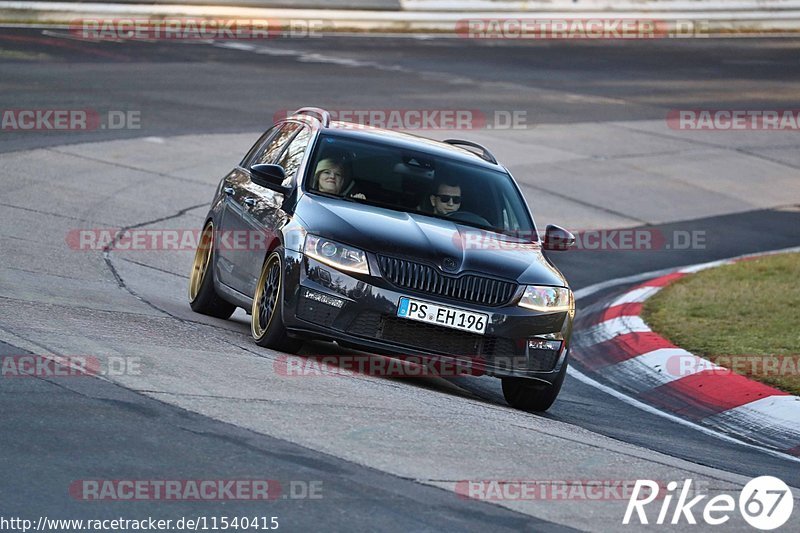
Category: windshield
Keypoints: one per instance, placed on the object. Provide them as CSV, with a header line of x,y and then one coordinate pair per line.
x,y
417,182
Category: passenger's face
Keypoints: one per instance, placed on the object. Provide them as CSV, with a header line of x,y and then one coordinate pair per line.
x,y
331,180
448,204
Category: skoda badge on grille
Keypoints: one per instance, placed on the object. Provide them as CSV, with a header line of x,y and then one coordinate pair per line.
x,y
450,264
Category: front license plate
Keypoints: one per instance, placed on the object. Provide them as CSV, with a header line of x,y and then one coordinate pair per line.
x,y
442,315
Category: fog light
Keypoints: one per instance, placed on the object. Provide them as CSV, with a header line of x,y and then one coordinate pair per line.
x,y
543,354
542,344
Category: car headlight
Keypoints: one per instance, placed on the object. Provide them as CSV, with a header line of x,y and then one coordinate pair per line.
x,y
336,254
546,299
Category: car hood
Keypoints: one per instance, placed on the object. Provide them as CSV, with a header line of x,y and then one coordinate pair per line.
x,y
426,239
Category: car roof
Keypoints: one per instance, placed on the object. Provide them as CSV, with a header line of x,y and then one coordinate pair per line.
x,y
408,141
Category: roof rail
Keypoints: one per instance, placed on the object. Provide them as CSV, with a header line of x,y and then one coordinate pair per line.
x,y
485,154
320,114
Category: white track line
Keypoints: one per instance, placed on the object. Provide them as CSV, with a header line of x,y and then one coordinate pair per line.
x,y
577,374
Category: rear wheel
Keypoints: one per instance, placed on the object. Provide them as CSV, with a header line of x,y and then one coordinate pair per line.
x,y
266,319
202,296
530,395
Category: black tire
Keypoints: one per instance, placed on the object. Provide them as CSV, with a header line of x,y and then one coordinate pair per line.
x,y
530,395
266,318
202,296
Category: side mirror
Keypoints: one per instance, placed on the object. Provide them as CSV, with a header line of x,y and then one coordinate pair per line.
x,y
557,238
269,176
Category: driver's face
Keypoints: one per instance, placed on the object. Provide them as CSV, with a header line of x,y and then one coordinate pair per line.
x,y
444,201
331,180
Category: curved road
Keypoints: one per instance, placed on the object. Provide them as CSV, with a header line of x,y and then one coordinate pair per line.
x,y
206,403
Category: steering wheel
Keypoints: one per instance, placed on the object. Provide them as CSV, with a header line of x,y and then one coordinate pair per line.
x,y
472,218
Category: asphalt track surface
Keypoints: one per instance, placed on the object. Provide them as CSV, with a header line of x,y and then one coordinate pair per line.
x,y
56,431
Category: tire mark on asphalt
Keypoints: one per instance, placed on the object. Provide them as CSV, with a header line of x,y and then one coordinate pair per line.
x,y
40,212
145,265
107,249
696,142
766,158
59,43
127,167
526,185
302,56
107,257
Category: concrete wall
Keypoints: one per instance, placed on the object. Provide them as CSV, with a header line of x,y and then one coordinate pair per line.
x,y
542,6
382,5
598,5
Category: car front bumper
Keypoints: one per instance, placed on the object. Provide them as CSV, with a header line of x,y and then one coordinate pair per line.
x,y
361,311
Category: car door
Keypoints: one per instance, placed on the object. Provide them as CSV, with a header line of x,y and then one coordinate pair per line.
x,y
233,238
265,216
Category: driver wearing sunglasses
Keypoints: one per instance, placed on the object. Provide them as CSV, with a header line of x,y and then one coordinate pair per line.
x,y
447,199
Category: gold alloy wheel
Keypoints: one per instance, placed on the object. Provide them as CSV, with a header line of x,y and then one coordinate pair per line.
x,y
202,259
265,300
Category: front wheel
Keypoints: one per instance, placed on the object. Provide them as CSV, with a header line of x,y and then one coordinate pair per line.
x,y
529,395
202,296
266,318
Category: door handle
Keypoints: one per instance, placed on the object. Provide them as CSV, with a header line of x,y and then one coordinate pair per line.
x,y
250,201
229,191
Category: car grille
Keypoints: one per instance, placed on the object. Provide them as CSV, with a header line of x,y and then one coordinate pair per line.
x,y
427,279
429,337
500,352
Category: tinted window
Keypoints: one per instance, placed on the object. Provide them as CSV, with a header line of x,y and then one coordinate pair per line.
x,y
256,148
268,153
293,155
418,182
